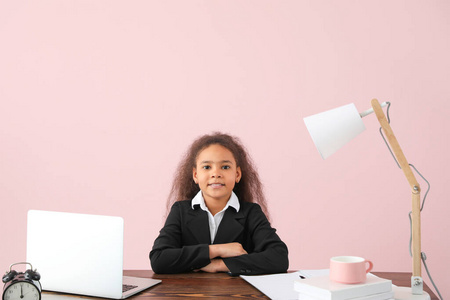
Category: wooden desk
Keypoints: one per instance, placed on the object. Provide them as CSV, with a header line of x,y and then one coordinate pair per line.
x,y
223,286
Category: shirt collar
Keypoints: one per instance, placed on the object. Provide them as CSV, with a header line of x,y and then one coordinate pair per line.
x,y
199,200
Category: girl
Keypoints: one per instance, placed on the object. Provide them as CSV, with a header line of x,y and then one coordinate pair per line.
x,y
215,223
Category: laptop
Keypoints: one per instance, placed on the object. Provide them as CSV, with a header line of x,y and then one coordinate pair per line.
x,y
80,254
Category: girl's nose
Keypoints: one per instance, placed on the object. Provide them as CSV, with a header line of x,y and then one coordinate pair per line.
x,y
216,173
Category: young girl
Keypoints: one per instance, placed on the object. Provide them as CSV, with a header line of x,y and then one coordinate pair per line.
x,y
215,223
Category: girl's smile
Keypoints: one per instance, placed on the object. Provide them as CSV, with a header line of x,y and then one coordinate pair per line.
x,y
216,185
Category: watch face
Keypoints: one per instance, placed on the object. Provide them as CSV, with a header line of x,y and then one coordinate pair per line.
x,y
22,291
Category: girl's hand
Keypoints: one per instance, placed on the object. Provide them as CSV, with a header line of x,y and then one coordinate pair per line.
x,y
216,265
226,250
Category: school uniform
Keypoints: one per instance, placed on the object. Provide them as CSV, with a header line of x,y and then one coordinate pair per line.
x,y
183,242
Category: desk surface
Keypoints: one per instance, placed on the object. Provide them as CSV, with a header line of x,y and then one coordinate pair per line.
x,y
222,286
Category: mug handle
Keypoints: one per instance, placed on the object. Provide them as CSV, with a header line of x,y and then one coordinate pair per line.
x,y
370,266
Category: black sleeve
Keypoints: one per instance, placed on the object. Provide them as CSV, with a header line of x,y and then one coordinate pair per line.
x,y
269,255
169,255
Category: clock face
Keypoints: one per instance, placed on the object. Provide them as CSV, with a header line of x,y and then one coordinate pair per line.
x,y
21,291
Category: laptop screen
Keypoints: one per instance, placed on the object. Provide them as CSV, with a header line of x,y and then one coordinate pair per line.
x,y
76,253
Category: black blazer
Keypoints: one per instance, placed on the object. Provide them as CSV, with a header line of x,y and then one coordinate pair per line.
x,y
183,242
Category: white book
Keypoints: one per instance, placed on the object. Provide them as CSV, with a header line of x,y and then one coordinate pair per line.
x,y
381,296
323,288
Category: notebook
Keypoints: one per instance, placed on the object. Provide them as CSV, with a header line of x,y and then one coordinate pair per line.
x,y
80,254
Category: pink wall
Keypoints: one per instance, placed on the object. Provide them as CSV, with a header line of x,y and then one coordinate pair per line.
x,y
99,99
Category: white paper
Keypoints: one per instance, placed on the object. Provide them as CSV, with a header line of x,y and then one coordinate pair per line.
x,y
281,286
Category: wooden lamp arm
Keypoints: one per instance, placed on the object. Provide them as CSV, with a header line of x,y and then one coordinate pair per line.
x,y
415,188
395,146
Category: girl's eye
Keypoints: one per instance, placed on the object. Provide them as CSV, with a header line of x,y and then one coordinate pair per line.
x,y
206,167
225,167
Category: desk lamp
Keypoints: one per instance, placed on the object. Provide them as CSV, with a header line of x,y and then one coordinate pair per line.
x,y
332,129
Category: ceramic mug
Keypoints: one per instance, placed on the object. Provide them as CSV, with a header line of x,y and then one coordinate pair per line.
x,y
349,269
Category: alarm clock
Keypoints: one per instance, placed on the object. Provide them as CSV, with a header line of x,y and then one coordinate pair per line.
x,y
21,286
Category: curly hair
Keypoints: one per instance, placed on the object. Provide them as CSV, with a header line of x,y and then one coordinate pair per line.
x,y
249,188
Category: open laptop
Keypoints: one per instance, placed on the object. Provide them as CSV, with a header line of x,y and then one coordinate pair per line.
x,y
80,254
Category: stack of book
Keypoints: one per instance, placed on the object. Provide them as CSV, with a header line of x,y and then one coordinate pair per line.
x,y
322,288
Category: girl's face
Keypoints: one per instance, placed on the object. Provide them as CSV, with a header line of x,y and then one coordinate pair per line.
x,y
216,173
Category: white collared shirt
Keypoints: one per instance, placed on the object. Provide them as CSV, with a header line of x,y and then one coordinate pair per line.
x,y
214,221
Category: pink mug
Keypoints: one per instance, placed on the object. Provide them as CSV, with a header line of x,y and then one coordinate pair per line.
x,y
349,269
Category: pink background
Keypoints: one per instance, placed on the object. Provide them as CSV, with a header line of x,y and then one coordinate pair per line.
x,y
99,99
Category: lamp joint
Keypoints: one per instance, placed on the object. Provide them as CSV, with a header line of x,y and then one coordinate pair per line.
x,y
417,285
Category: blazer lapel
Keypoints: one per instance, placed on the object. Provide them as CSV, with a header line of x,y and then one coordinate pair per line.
x,y
198,225
230,227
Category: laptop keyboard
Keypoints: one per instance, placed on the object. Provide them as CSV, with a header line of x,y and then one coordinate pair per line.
x,y
127,287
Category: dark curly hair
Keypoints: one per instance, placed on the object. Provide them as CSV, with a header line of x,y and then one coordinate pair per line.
x,y
249,188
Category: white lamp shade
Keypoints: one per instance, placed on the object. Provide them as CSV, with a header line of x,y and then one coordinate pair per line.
x,y
334,128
